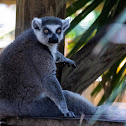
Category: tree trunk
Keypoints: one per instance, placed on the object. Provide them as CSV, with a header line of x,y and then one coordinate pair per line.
x,y
28,9
89,66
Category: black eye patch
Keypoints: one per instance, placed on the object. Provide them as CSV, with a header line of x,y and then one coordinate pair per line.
x,y
46,30
58,31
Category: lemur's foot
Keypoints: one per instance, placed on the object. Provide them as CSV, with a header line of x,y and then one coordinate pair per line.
x,y
69,114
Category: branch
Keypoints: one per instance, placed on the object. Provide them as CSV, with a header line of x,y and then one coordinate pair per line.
x,y
91,66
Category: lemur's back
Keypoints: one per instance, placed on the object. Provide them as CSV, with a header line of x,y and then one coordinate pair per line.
x,y
23,65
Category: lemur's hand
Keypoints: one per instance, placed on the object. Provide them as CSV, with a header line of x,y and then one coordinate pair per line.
x,y
61,59
70,63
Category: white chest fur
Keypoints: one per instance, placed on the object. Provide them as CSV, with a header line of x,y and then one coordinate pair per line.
x,y
53,49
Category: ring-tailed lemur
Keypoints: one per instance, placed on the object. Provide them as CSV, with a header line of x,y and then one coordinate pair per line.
x,y
27,67
28,83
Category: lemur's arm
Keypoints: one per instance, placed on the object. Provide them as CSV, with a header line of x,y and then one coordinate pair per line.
x,y
60,58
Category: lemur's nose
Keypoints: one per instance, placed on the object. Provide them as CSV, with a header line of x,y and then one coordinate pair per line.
x,y
53,39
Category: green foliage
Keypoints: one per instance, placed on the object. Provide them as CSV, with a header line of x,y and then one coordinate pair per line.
x,y
83,14
103,18
112,82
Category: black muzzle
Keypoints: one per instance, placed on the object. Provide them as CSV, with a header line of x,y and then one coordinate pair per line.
x,y
53,39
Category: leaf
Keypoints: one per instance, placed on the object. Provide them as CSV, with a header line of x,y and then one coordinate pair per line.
x,y
83,39
73,43
102,100
76,6
119,88
121,5
115,83
83,14
117,77
96,90
103,17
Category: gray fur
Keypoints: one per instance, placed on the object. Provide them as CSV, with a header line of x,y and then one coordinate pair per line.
x,y
27,70
28,83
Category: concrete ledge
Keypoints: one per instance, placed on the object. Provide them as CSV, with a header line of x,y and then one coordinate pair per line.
x,y
26,121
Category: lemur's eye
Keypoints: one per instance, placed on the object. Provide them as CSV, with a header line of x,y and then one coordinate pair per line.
x,y
46,31
58,31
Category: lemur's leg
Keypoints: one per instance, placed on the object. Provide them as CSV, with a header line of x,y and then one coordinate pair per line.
x,y
46,107
56,103
53,90
49,106
60,58
79,104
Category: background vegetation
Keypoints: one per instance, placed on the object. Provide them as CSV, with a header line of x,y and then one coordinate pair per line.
x,y
101,12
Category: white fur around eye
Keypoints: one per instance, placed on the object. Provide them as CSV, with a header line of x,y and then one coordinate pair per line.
x,y
53,28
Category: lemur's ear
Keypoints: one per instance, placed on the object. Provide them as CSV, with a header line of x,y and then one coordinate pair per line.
x,y
36,23
66,24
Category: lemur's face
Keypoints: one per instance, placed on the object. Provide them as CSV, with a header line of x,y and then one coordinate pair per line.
x,y
52,33
49,30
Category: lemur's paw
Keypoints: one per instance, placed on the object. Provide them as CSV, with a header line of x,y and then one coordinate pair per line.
x,y
69,114
73,64
70,63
